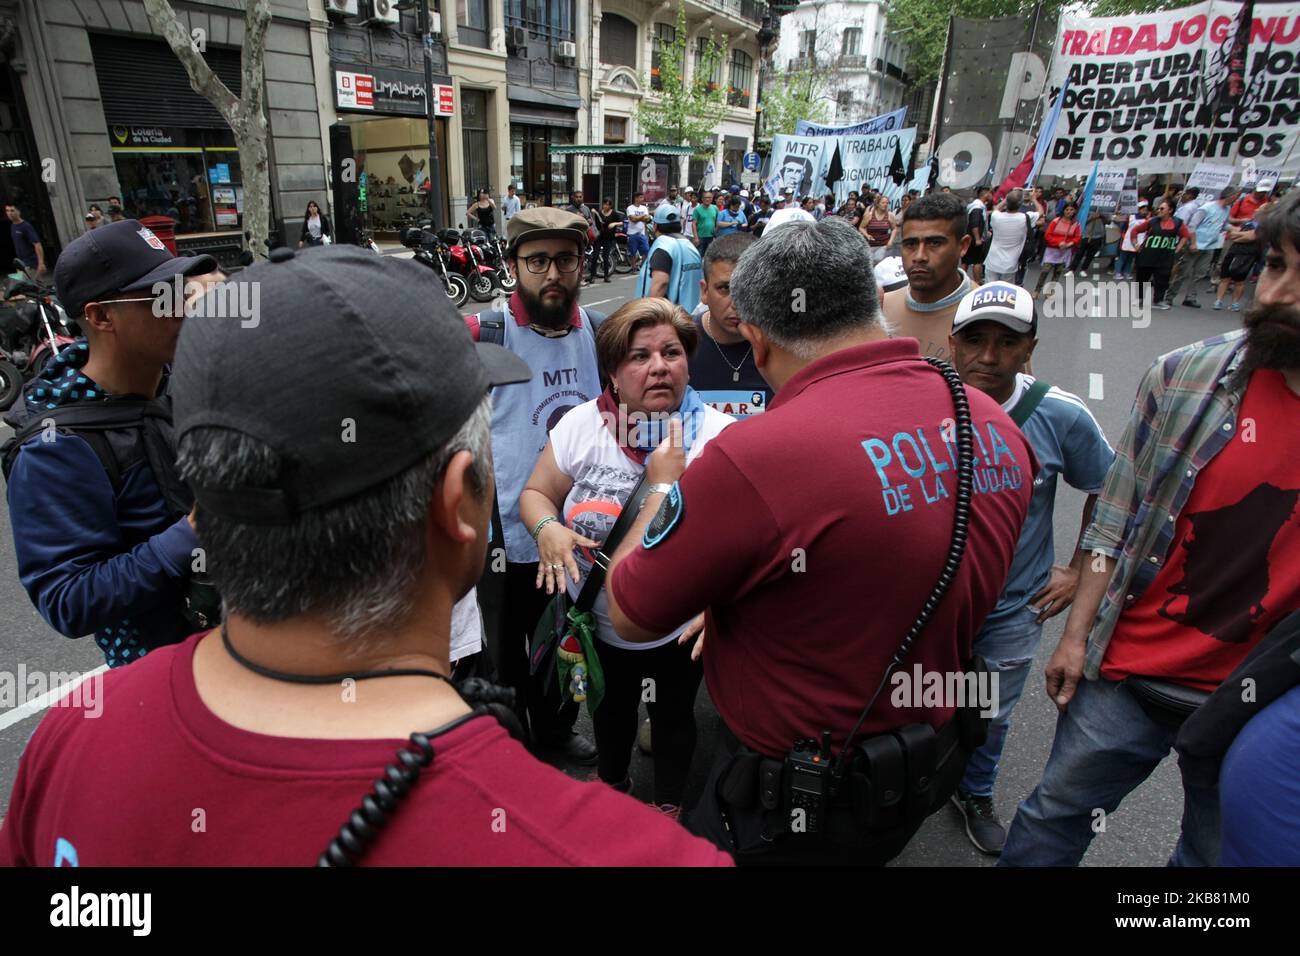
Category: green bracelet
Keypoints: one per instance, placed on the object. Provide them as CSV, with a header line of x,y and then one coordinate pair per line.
x,y
537,528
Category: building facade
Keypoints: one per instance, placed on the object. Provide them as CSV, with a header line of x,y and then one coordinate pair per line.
x,y
850,42
99,106
628,37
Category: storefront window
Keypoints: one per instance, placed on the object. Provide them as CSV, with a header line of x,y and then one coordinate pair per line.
x,y
191,176
392,154
546,179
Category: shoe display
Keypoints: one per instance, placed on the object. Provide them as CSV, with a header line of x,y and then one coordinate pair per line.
x,y
983,827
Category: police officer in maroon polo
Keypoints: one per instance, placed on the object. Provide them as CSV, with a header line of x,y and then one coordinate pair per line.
x,y
813,535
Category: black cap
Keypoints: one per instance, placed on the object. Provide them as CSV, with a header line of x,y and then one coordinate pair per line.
x,y
121,256
352,368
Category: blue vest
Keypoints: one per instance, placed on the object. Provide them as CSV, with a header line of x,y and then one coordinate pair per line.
x,y
1209,234
684,279
565,375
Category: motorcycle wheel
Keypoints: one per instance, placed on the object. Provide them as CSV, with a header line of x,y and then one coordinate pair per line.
x,y
506,281
482,288
622,264
11,384
457,290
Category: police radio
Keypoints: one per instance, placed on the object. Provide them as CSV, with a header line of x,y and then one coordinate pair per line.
x,y
808,780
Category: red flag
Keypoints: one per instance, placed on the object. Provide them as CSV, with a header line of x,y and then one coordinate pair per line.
x,y
1017,177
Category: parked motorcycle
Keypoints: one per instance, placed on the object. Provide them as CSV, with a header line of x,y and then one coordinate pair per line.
x,y
432,252
495,247
465,260
33,329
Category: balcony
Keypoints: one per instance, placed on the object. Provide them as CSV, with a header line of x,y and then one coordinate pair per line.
x,y
752,10
737,97
851,61
801,62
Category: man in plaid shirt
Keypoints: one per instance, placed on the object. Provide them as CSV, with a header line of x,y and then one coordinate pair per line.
x,y
1195,555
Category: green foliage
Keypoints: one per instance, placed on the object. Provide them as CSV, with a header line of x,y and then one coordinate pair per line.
x,y
790,97
682,113
1120,8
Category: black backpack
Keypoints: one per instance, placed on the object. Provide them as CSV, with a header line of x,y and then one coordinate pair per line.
x,y
122,433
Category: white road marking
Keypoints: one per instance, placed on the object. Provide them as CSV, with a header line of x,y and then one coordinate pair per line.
x,y
23,711
1095,390
1094,341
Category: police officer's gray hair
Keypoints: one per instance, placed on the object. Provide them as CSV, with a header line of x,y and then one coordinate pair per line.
x,y
355,564
807,283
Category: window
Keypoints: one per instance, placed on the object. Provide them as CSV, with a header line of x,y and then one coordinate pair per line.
x,y
617,41
665,35
472,23
742,68
615,128
808,44
474,133
843,103
550,20
195,180
701,45
851,44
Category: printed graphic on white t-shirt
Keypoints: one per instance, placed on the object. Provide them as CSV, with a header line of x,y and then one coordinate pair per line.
x,y
603,478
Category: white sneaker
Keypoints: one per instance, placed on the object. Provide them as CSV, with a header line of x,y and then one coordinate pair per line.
x,y
1163,306
1070,273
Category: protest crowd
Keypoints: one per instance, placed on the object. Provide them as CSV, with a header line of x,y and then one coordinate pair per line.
x,y
352,608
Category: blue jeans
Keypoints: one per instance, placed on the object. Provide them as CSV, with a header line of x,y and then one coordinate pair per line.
x,y
1124,266
1007,645
1105,746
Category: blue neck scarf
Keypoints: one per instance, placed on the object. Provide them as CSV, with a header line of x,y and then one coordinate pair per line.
x,y
649,434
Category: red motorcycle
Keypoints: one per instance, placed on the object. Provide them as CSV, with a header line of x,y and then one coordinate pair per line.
x,y
466,260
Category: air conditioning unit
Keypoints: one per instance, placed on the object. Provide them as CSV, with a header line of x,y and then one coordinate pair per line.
x,y
344,8
566,50
385,11
516,38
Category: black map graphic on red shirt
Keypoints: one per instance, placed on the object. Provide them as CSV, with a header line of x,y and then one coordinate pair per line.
x,y
1230,545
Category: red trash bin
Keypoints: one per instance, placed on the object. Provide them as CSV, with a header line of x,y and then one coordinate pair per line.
x,y
164,227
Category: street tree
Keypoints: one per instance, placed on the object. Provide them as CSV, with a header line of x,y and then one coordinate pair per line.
x,y
682,111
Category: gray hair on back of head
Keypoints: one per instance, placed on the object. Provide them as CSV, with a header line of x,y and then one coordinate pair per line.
x,y
806,284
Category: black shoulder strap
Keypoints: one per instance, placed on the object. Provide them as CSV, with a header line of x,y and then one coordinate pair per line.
x,y
1028,402
600,562
89,422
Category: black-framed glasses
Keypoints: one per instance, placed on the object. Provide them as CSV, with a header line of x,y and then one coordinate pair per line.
x,y
541,264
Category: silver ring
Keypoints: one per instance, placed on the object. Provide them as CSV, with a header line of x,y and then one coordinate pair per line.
x,y
553,566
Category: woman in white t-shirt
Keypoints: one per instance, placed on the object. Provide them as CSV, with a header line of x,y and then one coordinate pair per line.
x,y
590,466
1130,244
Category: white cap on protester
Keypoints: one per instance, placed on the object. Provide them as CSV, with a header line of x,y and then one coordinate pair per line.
x,y
1265,186
1001,302
788,214
744,194
890,274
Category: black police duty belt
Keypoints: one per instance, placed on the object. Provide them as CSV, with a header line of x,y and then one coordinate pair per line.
x,y
892,780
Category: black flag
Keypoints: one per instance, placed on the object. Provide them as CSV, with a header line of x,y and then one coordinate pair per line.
x,y
836,171
897,171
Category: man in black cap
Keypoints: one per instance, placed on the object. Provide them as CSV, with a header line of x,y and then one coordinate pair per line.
x,y
543,325
100,525
344,509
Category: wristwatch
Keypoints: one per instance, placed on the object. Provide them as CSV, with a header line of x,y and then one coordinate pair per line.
x,y
660,489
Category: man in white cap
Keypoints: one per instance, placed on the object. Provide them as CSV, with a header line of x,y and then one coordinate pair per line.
x,y
994,333
688,214
1243,210
788,214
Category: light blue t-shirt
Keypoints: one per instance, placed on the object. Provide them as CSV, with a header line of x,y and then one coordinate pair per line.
x,y
728,221
1068,442
1209,231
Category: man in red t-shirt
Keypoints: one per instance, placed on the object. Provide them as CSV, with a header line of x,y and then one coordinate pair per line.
x,y
1196,555
1244,209
814,535
343,510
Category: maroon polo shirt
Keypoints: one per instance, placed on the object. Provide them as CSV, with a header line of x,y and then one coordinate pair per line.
x,y
813,534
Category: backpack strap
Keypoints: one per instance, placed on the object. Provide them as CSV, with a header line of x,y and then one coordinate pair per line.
x,y
1028,402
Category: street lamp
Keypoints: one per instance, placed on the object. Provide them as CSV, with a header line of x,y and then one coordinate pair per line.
x,y
424,26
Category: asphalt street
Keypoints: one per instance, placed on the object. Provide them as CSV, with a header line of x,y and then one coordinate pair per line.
x,y
1100,357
